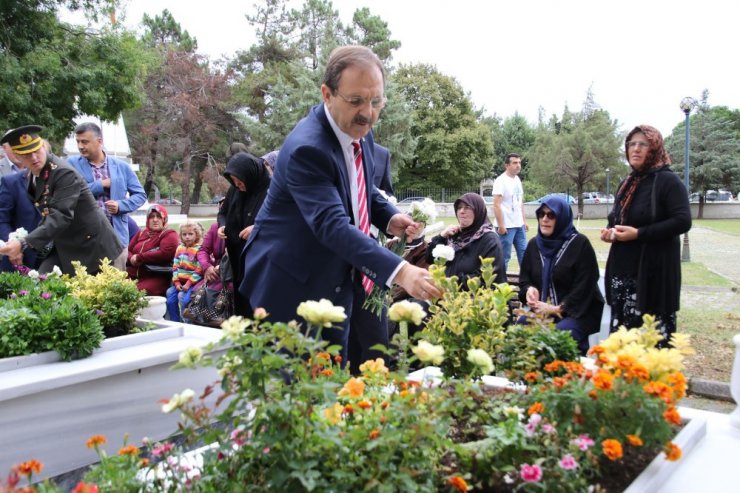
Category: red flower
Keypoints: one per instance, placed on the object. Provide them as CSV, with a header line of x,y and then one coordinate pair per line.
x,y
458,483
83,487
29,467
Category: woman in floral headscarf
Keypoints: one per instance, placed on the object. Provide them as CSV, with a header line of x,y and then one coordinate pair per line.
x,y
150,253
473,237
651,211
560,275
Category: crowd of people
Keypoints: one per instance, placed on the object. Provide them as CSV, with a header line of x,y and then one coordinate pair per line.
x,y
303,224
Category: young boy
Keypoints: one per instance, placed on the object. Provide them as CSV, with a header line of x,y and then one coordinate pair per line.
x,y
186,270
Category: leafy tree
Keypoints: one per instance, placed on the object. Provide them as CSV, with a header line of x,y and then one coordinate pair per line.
x,y
714,147
514,135
164,32
453,147
575,151
372,31
51,71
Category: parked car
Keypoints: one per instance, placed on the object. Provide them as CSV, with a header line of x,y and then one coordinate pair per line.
x,y
569,198
168,201
488,199
597,198
408,200
712,196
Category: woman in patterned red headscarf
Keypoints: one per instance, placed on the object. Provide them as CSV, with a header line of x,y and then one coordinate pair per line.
x,y
150,253
651,211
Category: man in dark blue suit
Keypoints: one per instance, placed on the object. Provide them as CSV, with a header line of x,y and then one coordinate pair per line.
x,y
17,211
382,177
311,237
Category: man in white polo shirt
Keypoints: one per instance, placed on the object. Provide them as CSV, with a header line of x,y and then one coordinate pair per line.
x,y
507,208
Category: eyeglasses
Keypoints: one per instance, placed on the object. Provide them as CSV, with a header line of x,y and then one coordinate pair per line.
x,y
637,143
358,101
549,214
464,207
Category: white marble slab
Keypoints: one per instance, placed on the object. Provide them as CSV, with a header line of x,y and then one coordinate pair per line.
x,y
48,409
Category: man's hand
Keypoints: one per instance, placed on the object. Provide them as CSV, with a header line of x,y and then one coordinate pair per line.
x,y
533,296
112,206
417,282
403,224
244,234
502,230
13,250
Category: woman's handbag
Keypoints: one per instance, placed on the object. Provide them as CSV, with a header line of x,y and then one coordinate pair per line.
x,y
210,307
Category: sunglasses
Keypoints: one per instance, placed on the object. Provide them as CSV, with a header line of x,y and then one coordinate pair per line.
x,y
549,214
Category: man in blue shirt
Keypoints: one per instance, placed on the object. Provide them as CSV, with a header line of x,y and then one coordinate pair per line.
x,y
112,182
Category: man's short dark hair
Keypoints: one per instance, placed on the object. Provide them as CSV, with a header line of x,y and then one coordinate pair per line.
x,y
89,127
510,155
345,56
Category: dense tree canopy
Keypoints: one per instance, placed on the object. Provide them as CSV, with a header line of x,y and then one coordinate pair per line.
x,y
51,72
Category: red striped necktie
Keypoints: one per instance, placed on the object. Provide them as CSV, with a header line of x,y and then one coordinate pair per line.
x,y
364,225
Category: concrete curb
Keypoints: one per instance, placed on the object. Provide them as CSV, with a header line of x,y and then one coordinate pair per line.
x,y
711,389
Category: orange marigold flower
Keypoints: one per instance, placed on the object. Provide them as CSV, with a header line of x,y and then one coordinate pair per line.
x,y
612,449
672,451
143,463
574,367
671,416
603,380
593,394
83,487
625,362
348,409
530,377
404,393
337,359
365,404
458,483
678,381
383,420
374,366
385,405
596,350
375,433
554,366
323,355
29,467
536,408
559,382
354,387
634,440
659,389
95,440
327,372
131,450
639,372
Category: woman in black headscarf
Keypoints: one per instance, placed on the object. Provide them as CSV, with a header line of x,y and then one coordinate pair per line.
x,y
249,180
473,237
559,273
651,211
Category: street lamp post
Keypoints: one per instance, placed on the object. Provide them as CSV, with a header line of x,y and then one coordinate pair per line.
x,y
606,199
687,104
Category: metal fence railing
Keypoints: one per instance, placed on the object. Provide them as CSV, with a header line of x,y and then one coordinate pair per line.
x,y
436,194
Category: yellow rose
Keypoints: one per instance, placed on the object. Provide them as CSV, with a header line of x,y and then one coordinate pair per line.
x,y
406,311
321,313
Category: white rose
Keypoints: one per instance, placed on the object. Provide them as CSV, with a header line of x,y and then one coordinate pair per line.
x,y
33,274
428,352
321,313
56,271
444,251
178,400
481,359
406,311
234,327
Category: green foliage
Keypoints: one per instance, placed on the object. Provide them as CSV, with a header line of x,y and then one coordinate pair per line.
x,y
528,348
111,295
38,315
164,32
55,71
452,147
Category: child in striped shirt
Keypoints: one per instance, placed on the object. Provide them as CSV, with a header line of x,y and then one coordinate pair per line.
x,y
186,270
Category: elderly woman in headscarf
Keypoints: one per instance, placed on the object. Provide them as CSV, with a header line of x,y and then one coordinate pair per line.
x,y
249,178
472,238
559,274
150,253
651,211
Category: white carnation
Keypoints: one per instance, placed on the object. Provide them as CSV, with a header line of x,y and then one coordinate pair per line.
x,y
424,211
426,351
444,251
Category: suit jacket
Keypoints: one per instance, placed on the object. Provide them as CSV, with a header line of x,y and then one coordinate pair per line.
x,y
17,211
382,177
124,187
71,218
304,245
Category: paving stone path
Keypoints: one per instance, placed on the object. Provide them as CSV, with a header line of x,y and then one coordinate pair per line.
x,y
720,253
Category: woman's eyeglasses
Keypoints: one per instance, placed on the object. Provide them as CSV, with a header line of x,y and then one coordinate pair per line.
x,y
549,214
636,143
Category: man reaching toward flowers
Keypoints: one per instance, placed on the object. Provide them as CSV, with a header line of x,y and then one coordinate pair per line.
x,y
70,216
311,238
